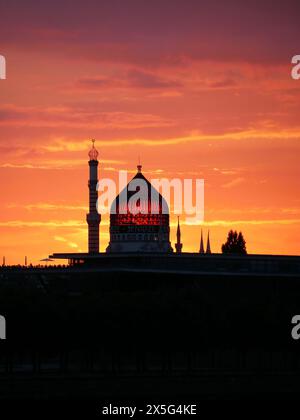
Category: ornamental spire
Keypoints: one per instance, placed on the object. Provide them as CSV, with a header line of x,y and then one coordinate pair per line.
x,y
201,251
178,244
93,153
208,251
139,166
178,230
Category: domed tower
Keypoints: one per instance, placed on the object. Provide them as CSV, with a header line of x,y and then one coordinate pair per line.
x,y
93,218
139,219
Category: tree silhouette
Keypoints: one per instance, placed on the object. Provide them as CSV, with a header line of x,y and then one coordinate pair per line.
x,y
235,243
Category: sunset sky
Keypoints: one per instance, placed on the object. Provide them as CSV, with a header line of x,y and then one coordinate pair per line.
x,y
198,89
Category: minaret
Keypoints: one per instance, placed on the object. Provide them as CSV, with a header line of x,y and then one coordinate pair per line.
x,y
93,218
178,244
208,251
201,250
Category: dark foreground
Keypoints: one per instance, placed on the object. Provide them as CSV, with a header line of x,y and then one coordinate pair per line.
x,y
86,334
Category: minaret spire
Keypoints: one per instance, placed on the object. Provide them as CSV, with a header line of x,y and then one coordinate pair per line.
x,y
208,251
201,250
93,218
178,244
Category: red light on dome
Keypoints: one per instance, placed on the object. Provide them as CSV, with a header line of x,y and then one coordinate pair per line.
x,y
139,219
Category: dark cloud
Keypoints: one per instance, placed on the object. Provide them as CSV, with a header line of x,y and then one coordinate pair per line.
x,y
223,84
77,118
96,83
151,33
132,79
145,80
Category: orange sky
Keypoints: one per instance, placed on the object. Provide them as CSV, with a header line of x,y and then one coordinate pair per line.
x,y
198,91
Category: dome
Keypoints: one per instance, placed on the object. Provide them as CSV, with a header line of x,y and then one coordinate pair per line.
x,y
139,218
150,209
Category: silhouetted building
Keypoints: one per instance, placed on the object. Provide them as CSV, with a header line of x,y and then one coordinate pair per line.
x,y
139,221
